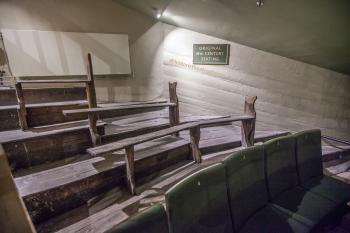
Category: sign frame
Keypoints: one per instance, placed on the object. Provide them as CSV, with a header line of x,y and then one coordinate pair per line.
x,y
200,50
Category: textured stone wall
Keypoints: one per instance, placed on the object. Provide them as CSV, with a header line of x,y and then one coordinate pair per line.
x,y
291,95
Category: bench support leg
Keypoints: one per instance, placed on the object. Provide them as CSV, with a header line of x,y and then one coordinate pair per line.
x,y
248,126
95,136
21,111
91,97
195,134
130,169
174,113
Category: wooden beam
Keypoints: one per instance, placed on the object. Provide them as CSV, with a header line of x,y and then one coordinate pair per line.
x,y
117,108
110,147
21,111
14,217
195,134
91,97
174,114
130,168
248,125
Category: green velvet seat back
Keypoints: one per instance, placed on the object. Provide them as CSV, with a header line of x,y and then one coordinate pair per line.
x,y
153,220
246,183
199,203
280,165
309,154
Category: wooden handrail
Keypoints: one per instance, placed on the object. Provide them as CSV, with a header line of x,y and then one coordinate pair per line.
x,y
129,143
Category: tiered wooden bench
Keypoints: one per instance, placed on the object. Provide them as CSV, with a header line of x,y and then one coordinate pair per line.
x,y
94,113
89,85
129,143
248,129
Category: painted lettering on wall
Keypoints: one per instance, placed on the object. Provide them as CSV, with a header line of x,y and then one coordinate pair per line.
x,y
211,54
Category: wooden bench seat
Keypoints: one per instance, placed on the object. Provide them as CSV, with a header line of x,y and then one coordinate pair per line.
x,y
129,143
114,108
52,81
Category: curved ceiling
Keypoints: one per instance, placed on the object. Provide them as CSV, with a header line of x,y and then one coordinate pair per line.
x,y
315,32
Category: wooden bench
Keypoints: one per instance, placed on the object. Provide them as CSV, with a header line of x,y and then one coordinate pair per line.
x,y
129,143
93,112
90,92
248,130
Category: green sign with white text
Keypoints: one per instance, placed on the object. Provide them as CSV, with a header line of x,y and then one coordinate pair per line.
x,y
211,54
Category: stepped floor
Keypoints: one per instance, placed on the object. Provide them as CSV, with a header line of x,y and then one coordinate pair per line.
x,y
110,208
82,172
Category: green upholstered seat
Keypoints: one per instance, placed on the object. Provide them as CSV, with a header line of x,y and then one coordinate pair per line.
x,y
199,203
309,158
153,220
283,185
248,196
246,183
272,220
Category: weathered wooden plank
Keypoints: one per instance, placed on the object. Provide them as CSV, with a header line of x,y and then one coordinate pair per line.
x,y
174,112
248,126
195,133
14,216
36,133
139,139
52,81
82,180
34,149
117,108
22,111
43,95
130,168
91,97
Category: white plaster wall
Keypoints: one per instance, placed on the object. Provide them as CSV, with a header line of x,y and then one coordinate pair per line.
x,y
103,16
291,95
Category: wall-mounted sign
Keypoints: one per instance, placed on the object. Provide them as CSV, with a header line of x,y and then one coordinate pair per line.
x,y
211,54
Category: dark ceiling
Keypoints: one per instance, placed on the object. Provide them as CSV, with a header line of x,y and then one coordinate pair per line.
x,y
315,32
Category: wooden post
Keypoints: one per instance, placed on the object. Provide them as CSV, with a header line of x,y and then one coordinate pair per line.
x,y
195,134
14,217
91,97
21,110
248,126
130,168
174,113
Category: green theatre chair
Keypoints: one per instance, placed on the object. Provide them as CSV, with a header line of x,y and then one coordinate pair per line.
x,y
152,220
199,204
248,196
283,188
309,162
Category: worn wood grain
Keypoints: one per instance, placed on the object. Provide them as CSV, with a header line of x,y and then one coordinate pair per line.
x,y
22,111
14,217
139,139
